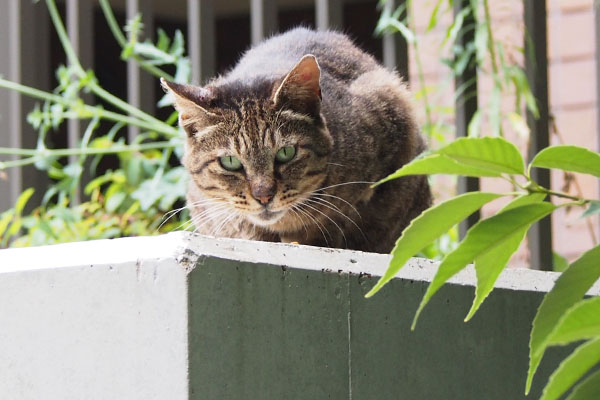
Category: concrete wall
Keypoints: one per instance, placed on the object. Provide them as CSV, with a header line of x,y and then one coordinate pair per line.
x,y
183,317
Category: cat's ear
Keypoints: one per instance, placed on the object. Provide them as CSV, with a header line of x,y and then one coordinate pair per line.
x,y
191,101
300,89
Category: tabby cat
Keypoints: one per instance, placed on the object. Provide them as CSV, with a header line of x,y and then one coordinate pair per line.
x,y
285,146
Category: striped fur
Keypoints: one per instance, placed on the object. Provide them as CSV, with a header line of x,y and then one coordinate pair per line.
x,y
350,122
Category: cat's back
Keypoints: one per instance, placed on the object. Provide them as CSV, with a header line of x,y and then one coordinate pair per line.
x,y
338,57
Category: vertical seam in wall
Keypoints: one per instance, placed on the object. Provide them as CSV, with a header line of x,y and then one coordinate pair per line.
x,y
188,360
349,339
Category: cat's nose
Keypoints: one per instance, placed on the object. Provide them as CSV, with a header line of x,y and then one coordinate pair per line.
x,y
265,199
263,190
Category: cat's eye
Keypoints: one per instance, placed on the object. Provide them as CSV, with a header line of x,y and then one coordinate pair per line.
x,y
230,163
285,154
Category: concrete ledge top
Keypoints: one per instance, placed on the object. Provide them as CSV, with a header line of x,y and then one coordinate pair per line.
x,y
188,248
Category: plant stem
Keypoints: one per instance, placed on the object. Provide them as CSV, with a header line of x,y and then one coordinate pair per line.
x,y
64,38
533,187
122,40
92,84
541,189
420,73
18,163
32,92
491,42
84,111
590,226
35,154
100,92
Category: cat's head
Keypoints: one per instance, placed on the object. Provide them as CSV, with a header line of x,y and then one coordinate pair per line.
x,y
256,149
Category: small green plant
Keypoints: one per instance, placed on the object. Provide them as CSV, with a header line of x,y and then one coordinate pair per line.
x,y
563,317
131,199
493,60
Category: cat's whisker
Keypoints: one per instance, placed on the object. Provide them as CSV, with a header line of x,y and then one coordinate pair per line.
x,y
209,210
201,222
298,206
345,183
217,230
214,215
172,213
168,216
234,219
299,217
336,164
200,219
330,219
313,194
335,208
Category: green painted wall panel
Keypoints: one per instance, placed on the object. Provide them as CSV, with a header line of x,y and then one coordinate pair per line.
x,y
262,332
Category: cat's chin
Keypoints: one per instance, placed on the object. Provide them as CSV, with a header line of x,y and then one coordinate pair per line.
x,y
265,218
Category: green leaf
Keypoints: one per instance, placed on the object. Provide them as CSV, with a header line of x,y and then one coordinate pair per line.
x,y
433,19
559,263
456,26
494,110
494,154
481,41
114,201
571,369
582,321
428,226
163,41
569,158
22,200
134,171
489,266
519,125
5,219
148,50
522,88
570,287
405,31
482,238
178,47
437,164
593,209
588,389
474,127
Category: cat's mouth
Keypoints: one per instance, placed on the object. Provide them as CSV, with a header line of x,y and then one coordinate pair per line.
x,y
266,217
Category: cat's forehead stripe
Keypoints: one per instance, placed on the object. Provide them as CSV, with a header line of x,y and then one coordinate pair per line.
x,y
294,115
205,131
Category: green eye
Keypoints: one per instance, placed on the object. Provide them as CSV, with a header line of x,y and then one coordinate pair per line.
x,y
285,154
230,163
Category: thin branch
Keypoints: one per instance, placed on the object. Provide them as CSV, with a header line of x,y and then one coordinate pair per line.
x,y
84,111
92,84
35,154
122,40
64,38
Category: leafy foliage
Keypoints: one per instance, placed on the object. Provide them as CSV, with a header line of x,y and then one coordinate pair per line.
x,y
128,200
563,317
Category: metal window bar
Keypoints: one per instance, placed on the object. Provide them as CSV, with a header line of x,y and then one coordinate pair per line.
x,y
201,42
536,68
10,112
329,14
80,20
263,19
24,58
466,104
140,85
395,47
